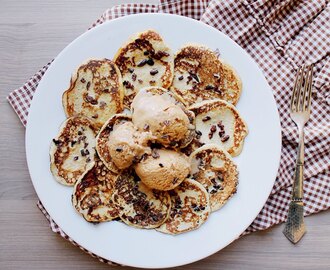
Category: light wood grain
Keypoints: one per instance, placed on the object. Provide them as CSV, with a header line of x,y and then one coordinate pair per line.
x,y
32,33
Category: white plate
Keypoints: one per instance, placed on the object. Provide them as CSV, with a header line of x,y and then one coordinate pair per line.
x,y
257,164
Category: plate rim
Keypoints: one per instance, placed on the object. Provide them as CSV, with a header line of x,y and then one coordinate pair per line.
x,y
274,104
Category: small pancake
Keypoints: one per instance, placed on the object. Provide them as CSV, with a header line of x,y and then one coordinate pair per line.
x,y
144,61
190,208
214,168
140,206
92,194
103,138
95,91
164,131
72,151
200,75
219,122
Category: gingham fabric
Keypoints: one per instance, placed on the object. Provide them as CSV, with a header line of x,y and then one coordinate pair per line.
x,y
280,35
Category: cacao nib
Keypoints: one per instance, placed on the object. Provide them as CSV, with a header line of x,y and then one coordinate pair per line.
x,y
153,72
221,133
128,85
91,100
146,127
220,125
142,63
209,87
150,62
160,54
134,77
84,152
57,142
216,89
226,138
206,118
194,76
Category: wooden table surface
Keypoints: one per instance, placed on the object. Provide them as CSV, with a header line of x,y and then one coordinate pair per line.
x,y
32,33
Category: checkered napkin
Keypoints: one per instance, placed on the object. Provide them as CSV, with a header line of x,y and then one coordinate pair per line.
x,y
280,35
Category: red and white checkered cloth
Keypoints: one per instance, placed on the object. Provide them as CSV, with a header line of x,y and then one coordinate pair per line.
x,y
280,35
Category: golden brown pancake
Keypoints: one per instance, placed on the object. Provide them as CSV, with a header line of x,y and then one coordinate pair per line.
x,y
214,168
219,122
190,208
138,205
95,91
144,61
200,75
92,194
72,151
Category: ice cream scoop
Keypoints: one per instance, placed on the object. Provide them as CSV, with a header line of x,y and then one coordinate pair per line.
x,y
155,110
127,145
164,169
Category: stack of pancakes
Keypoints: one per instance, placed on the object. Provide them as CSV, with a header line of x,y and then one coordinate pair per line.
x,y
99,99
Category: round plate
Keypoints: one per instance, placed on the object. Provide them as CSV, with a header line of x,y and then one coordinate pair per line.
x,y
257,164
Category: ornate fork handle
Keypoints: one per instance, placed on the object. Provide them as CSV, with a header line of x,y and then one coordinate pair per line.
x,y
297,192
295,227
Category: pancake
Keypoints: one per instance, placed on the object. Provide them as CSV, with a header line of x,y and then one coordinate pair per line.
x,y
200,75
144,61
103,138
140,206
219,122
92,194
190,208
72,151
214,168
95,91
157,110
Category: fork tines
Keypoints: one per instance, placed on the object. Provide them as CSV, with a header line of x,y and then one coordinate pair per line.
x,y
302,90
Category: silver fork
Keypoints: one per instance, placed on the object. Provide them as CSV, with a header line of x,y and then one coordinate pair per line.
x,y
300,108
